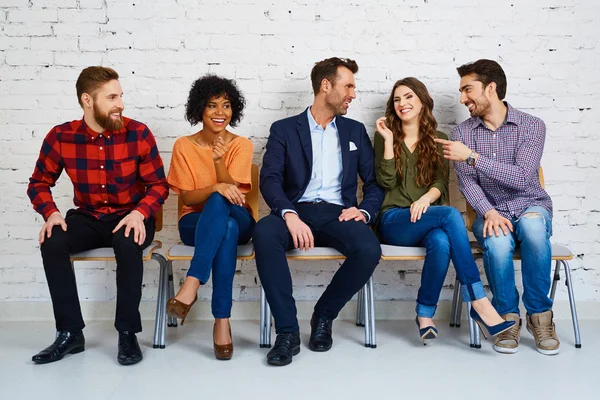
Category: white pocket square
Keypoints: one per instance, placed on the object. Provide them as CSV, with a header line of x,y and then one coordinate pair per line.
x,y
352,146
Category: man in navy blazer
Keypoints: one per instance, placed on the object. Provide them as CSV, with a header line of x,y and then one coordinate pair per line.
x,y
309,180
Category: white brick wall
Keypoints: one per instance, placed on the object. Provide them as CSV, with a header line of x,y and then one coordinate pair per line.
x,y
549,51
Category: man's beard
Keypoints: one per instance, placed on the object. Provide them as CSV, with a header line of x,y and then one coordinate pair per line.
x,y
105,121
482,108
337,106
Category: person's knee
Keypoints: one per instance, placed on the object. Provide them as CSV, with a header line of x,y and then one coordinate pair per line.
x,y
216,198
122,242
266,230
369,250
499,247
532,225
438,242
232,229
455,218
57,242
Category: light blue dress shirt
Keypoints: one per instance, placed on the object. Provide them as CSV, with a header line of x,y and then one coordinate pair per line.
x,y
326,179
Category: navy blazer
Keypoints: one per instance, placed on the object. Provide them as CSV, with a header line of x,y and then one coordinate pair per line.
x,y
287,165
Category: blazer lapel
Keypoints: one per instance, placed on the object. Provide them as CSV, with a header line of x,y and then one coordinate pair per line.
x,y
305,140
344,136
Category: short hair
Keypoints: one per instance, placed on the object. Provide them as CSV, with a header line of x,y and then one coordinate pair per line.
x,y
91,78
207,87
486,72
327,69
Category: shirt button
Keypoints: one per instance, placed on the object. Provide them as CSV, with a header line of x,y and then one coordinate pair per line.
x,y
99,135
102,167
103,186
108,137
93,138
494,136
105,201
101,147
494,154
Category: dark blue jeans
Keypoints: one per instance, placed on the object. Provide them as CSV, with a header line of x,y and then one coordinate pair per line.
x,y
215,234
441,230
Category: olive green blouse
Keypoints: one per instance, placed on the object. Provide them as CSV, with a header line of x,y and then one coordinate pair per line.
x,y
403,192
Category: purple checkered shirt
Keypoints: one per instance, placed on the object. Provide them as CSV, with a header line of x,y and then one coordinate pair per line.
x,y
506,175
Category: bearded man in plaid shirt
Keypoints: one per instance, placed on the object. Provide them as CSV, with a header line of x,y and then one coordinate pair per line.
x,y
119,185
496,156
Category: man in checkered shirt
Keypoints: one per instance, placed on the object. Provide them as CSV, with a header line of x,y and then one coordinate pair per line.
x,y
496,156
119,186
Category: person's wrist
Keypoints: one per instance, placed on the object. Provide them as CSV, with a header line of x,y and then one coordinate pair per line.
x,y
488,213
289,215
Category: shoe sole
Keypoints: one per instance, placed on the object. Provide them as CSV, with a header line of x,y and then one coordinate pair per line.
x,y
543,351
505,350
130,362
320,349
284,363
75,350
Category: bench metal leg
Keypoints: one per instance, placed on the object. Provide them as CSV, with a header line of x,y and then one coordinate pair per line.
x,y
366,317
372,312
172,321
454,299
359,307
163,306
265,321
459,305
569,283
555,279
159,321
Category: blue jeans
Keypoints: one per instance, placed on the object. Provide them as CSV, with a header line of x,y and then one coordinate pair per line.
x,y
441,230
532,231
215,234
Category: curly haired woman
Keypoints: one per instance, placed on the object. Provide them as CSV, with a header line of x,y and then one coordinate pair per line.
x,y
411,168
211,172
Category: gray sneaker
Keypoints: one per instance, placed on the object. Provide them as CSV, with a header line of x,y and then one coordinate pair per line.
x,y
508,341
542,328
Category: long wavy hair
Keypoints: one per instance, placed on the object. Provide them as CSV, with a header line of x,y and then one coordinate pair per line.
x,y
429,160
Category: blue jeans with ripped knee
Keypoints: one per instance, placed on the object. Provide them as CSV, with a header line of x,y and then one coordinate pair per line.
x,y
532,231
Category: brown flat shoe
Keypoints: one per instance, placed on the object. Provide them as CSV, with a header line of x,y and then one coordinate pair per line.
x,y
223,351
177,309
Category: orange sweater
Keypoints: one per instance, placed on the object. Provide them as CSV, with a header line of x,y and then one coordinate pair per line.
x,y
192,167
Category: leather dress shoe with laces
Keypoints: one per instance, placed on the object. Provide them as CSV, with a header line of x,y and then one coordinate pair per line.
x,y
65,343
320,334
129,349
286,346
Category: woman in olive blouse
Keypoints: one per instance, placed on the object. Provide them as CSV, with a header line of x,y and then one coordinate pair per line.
x,y
411,168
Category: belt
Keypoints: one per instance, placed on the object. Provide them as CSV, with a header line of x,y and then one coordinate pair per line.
x,y
314,202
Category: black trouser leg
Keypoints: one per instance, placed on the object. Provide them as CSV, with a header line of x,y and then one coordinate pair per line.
x,y
82,234
130,272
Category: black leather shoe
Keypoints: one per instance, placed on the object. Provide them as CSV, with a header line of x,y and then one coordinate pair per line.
x,y
129,349
286,346
320,334
65,343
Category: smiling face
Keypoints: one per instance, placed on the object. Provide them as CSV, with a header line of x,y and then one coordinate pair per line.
x,y
108,105
475,96
339,95
407,104
217,114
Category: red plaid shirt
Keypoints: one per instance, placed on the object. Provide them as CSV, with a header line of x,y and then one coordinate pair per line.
x,y
112,172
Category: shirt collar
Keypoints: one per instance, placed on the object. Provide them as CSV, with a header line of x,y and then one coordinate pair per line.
x,y
84,128
511,117
313,124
